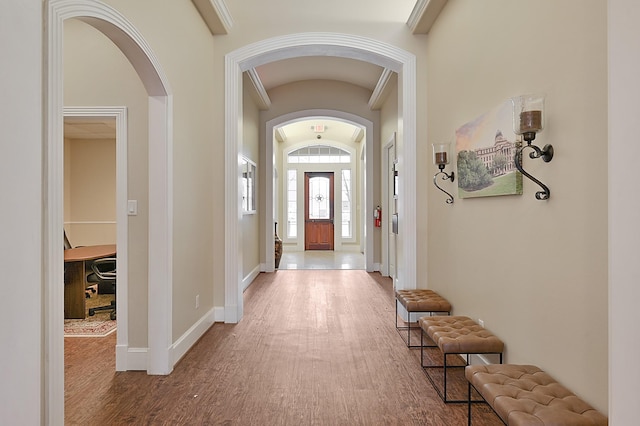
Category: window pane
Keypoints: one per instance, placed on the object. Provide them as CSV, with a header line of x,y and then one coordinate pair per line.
x,y
292,207
346,204
319,154
319,198
245,195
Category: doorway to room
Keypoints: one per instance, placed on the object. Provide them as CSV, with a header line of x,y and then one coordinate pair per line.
x,y
124,35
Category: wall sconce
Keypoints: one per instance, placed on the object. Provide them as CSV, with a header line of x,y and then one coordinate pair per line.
x,y
441,159
528,119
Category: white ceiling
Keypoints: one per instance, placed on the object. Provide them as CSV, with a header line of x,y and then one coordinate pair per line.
x,y
332,130
351,71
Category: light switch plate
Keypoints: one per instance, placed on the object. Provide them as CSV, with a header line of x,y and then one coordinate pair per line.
x,y
132,207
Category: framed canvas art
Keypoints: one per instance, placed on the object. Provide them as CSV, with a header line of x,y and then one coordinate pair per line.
x,y
485,149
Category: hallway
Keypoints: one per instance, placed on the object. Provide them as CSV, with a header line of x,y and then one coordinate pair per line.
x,y
315,347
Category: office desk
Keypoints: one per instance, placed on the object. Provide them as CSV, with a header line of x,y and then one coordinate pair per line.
x,y
76,270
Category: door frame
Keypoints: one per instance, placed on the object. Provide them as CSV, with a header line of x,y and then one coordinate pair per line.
x,y
122,222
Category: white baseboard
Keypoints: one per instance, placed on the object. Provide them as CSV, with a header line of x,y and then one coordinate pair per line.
x,y
218,313
135,359
484,359
191,336
246,281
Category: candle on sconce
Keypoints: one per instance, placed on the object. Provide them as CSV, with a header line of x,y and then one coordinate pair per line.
x,y
440,154
530,121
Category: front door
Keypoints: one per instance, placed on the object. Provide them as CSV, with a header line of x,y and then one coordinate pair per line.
x,y
318,211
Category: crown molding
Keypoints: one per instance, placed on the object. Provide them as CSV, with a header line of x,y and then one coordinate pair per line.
x,y
261,95
281,136
377,97
358,134
424,14
215,14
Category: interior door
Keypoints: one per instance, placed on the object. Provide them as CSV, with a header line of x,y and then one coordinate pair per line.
x,y
318,211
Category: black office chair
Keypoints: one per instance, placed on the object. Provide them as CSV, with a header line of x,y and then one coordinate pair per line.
x,y
104,274
90,288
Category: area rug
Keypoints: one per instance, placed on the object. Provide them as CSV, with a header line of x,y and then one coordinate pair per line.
x,y
84,328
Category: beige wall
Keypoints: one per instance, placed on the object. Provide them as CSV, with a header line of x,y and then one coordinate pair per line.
x,y
90,191
250,224
534,271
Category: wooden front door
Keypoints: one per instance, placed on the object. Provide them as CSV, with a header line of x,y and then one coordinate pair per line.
x,y
318,211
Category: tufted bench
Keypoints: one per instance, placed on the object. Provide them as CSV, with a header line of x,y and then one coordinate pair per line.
x,y
419,301
455,335
526,395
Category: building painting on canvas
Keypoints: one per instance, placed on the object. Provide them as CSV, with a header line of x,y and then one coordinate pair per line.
x,y
485,149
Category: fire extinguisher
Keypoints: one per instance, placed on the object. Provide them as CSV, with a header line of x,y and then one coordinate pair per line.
x,y
377,215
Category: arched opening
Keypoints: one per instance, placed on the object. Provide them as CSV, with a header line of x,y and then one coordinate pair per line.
x,y
157,360
368,173
313,44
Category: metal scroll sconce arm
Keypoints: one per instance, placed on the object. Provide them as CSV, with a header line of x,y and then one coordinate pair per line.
x,y
445,176
546,154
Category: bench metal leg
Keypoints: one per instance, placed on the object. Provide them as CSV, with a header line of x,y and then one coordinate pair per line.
x,y
443,394
408,327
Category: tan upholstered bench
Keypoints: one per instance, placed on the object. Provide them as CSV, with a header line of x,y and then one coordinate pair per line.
x,y
419,301
526,395
456,335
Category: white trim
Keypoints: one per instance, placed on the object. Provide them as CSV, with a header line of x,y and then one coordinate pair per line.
x,y
215,14
316,44
261,93
424,15
246,281
191,336
113,25
122,219
135,358
376,99
218,313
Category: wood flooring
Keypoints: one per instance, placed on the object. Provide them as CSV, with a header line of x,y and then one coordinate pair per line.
x,y
313,348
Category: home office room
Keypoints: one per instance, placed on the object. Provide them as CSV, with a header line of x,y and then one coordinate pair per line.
x,y
89,226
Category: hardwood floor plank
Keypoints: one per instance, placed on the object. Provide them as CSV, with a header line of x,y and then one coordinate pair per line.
x,y
314,348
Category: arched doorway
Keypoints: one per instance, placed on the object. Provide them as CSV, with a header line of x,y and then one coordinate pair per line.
x,y
113,25
269,171
312,44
